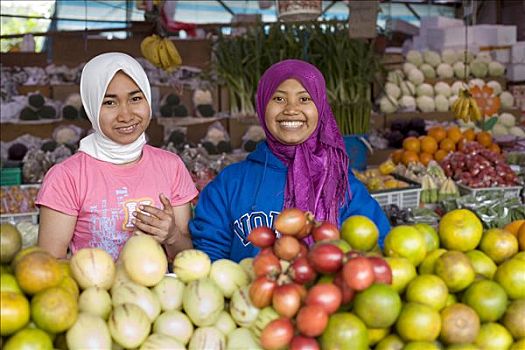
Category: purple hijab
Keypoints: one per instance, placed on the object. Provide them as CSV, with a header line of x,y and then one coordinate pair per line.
x,y
317,178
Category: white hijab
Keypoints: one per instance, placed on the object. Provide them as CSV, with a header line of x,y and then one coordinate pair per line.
x,y
96,76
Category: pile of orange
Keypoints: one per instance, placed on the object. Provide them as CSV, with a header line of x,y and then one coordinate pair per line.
x,y
438,143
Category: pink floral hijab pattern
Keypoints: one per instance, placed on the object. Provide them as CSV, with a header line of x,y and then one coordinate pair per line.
x,y
317,178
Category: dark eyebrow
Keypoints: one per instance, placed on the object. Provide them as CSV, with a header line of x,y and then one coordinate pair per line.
x,y
130,94
284,92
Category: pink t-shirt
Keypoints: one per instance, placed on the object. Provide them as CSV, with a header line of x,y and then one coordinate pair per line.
x,y
103,196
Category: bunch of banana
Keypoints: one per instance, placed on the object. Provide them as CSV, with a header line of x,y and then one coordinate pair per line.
x,y
466,108
429,190
448,190
161,52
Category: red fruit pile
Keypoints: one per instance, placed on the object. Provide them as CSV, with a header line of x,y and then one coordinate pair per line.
x,y
306,285
477,167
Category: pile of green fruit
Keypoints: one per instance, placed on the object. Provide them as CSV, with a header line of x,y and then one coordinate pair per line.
x,y
457,287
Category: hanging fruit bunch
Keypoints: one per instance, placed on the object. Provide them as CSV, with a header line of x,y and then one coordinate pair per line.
x,y
161,52
466,107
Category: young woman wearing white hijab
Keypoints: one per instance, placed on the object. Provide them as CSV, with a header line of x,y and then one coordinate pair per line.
x,y
116,185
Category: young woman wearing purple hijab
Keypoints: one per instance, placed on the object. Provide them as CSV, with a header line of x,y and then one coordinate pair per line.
x,y
302,164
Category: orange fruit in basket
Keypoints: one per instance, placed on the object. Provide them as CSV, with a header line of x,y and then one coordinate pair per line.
x,y
454,133
411,143
514,227
440,155
437,132
425,158
429,145
484,138
447,145
409,157
396,156
494,148
469,134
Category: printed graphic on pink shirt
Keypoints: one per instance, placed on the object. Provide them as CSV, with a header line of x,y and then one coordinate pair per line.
x,y
111,227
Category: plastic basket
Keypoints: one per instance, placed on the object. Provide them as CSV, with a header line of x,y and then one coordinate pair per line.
x,y
10,176
403,198
508,192
407,197
21,217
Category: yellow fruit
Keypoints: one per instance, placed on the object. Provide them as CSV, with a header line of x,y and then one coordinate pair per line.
x,y
487,298
402,273
390,342
428,264
64,266
69,285
514,319
29,339
493,336
24,252
422,318
37,271
375,335
428,290
54,310
498,244
8,283
518,345
482,264
455,269
10,242
451,300
510,276
360,232
406,242
430,235
460,229
14,312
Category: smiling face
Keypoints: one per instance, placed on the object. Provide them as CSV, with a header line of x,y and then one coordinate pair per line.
x,y
125,112
291,115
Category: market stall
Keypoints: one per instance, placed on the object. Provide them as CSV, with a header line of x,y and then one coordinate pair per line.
x,y
432,113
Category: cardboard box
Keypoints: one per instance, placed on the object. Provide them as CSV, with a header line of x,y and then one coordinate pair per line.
x,y
516,72
500,54
518,52
494,35
440,22
441,38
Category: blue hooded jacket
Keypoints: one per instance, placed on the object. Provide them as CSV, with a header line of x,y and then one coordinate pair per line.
x,y
250,194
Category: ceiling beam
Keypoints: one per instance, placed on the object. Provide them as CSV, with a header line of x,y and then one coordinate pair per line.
x,y
226,7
